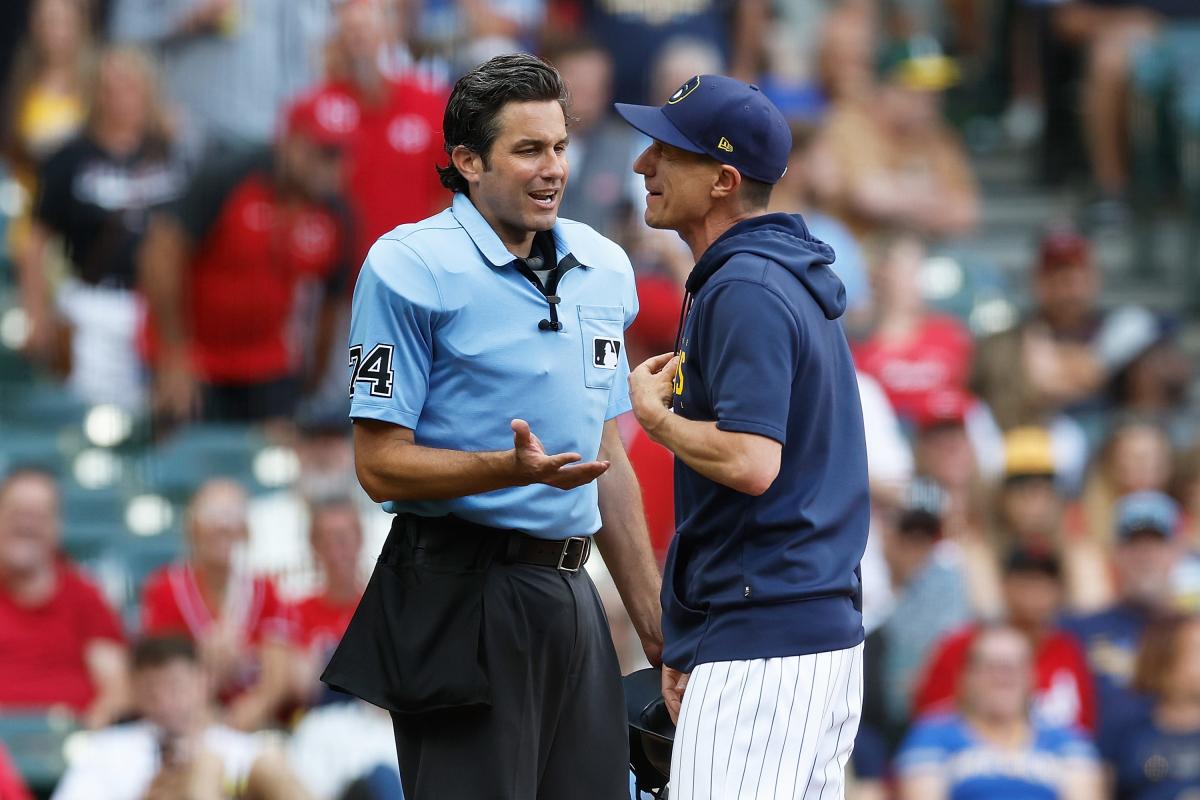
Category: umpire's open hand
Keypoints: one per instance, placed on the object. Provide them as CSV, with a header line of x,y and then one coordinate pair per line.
x,y
562,471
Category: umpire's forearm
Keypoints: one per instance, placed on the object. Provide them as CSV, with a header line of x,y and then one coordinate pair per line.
x,y
391,466
624,541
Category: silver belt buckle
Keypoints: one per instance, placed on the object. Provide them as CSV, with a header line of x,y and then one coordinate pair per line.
x,y
584,547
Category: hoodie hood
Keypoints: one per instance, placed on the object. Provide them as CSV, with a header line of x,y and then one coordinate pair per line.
x,y
785,240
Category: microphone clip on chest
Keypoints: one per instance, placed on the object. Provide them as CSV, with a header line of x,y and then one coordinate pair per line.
x,y
534,263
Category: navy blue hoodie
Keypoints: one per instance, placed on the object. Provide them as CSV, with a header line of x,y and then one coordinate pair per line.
x,y
762,352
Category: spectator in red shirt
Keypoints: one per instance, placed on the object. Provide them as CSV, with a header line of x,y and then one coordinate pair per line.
x,y
60,643
224,267
910,351
336,536
396,122
1033,595
241,628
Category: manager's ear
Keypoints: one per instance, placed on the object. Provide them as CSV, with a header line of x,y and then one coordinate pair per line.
x,y
725,182
467,162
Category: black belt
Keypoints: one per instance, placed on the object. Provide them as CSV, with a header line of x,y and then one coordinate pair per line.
x,y
568,555
457,540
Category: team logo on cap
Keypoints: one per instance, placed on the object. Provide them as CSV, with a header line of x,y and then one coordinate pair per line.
x,y
685,90
725,145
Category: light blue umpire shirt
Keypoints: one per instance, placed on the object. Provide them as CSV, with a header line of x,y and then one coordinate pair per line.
x,y
444,339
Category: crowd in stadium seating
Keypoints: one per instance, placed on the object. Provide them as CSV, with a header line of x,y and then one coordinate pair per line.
x,y
197,182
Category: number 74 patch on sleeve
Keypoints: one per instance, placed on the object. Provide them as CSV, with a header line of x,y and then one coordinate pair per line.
x,y
375,369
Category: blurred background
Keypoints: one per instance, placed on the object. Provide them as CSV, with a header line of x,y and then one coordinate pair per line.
x,y
188,188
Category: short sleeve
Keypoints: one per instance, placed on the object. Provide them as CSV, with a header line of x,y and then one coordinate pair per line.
x,y
618,396
749,343
391,335
925,748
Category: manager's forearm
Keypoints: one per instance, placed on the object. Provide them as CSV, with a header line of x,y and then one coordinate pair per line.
x,y
705,448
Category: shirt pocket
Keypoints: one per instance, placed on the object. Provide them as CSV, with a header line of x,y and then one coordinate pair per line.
x,y
602,331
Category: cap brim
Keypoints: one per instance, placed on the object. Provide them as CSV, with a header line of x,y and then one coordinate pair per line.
x,y
651,121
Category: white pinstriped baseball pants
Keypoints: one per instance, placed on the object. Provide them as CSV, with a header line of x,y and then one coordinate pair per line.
x,y
768,729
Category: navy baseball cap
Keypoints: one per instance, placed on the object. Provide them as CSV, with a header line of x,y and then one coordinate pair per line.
x,y
722,118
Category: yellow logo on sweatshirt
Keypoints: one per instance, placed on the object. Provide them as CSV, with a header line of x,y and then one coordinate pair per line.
x,y
678,381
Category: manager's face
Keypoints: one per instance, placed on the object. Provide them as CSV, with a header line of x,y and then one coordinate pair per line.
x,y
679,185
519,186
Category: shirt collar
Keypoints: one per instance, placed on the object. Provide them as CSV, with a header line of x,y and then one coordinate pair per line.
x,y
489,243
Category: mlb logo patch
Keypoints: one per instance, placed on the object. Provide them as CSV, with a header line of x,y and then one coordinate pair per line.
x,y
605,352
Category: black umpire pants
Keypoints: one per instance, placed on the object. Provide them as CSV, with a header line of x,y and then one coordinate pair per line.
x,y
501,677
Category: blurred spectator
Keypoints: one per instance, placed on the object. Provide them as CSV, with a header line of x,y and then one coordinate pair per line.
x,y
62,645
599,191
12,787
1047,362
992,749
1145,559
910,350
1030,513
221,270
336,537
898,162
889,468
945,451
45,99
846,57
653,332
177,751
1150,374
931,600
469,32
97,193
809,165
1137,457
1110,32
391,122
1154,756
345,751
230,64
636,33
1033,597
241,629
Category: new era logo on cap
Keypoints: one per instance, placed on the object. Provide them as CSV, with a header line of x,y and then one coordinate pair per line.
x,y
725,145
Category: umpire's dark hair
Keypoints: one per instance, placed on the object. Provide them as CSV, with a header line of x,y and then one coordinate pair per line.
x,y
151,652
473,110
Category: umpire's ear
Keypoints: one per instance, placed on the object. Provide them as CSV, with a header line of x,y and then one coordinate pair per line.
x,y
467,162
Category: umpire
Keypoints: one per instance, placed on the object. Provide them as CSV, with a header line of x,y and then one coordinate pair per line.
x,y
479,629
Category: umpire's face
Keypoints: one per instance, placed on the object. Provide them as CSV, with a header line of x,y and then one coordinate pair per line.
x,y
679,186
518,186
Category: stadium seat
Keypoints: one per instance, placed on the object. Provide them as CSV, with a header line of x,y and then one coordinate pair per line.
x,y
35,742
199,453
